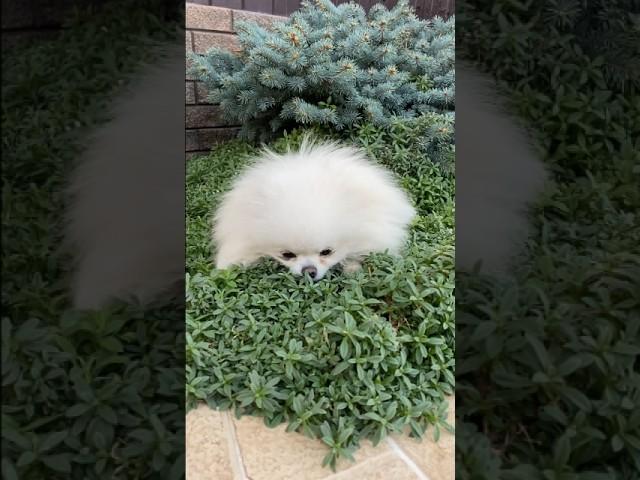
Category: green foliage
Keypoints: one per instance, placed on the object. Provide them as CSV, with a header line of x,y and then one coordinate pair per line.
x,y
547,373
335,66
93,395
351,357
431,136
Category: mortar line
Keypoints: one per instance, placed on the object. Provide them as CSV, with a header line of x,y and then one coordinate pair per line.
x,y
211,30
406,459
237,464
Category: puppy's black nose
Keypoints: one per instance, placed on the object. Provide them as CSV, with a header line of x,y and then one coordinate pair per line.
x,y
311,270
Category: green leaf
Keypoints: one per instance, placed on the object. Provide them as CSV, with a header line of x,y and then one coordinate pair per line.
x,y
8,470
539,350
108,414
373,416
570,366
616,443
16,437
577,398
562,450
26,458
339,368
52,440
344,349
59,463
78,409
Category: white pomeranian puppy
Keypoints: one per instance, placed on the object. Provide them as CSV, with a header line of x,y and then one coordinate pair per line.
x,y
323,205
125,217
498,175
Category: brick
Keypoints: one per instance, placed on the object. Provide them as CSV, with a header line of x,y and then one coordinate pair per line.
x,y
262,19
209,137
191,140
201,94
227,3
188,42
199,116
203,41
190,93
189,64
262,6
208,18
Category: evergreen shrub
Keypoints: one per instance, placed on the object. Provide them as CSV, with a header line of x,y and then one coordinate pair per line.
x,y
335,66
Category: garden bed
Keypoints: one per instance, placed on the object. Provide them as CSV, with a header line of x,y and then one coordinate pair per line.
x,y
347,358
352,356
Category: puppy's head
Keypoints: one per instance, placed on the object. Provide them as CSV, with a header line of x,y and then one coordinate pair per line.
x,y
306,231
311,210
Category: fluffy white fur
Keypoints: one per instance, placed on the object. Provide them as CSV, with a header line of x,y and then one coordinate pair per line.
x,y
126,215
498,175
323,198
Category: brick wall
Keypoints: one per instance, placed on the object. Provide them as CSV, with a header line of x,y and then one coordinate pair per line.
x,y
213,26
424,8
208,27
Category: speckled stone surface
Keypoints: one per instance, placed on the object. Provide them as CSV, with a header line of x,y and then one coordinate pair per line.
x,y
221,447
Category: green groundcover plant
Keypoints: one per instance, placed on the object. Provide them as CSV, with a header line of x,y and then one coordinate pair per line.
x,y
335,66
84,395
352,356
548,382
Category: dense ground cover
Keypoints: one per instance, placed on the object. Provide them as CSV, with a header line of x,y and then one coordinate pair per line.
x,y
90,395
347,358
547,362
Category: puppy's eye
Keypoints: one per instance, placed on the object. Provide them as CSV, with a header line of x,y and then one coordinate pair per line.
x,y
288,255
326,251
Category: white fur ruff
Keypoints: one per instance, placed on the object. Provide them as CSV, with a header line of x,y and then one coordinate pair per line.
x,y
498,176
323,197
125,222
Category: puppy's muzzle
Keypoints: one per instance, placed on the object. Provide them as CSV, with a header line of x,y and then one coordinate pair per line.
x,y
311,270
